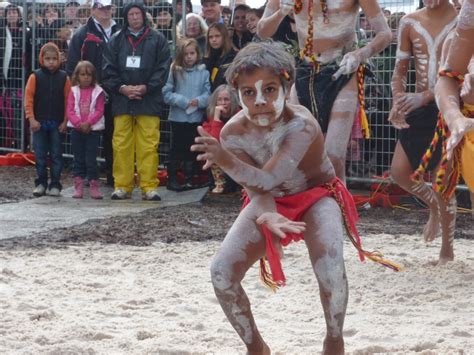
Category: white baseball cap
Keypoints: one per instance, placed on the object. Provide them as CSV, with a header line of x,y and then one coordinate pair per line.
x,y
101,3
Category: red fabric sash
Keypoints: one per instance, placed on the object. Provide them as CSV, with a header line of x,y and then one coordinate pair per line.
x,y
295,206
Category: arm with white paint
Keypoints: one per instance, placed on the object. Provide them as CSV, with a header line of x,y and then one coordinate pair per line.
x,y
383,35
399,76
447,89
278,168
275,12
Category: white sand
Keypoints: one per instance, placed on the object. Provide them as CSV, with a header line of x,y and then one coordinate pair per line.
x,y
110,299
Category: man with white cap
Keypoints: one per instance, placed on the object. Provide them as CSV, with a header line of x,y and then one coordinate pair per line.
x,y
88,43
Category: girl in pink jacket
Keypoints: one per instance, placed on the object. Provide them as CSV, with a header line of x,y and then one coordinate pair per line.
x,y
85,111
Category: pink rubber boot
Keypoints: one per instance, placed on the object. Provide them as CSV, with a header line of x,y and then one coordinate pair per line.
x,y
78,187
94,190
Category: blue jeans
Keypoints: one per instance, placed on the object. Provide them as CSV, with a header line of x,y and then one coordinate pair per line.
x,y
48,142
84,149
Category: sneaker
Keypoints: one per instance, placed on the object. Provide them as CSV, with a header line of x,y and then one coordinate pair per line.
x,y
119,194
151,195
55,192
39,191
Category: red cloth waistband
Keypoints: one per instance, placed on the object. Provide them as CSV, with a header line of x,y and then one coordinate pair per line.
x,y
295,206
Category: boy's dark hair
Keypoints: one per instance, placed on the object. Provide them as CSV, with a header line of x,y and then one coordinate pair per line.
x,y
263,55
89,67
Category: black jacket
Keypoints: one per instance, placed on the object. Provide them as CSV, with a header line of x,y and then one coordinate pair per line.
x,y
49,87
88,43
153,72
217,65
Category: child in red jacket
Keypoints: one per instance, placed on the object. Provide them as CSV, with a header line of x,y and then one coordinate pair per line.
x,y
223,104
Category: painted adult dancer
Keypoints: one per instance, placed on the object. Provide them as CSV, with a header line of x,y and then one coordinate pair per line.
x,y
456,113
325,83
275,150
421,36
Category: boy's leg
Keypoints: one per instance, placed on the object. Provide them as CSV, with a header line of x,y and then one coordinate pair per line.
x,y
124,153
325,246
340,127
40,146
56,154
400,171
78,146
147,138
447,214
90,154
241,248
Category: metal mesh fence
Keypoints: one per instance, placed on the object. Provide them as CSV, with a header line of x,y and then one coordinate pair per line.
x,y
41,21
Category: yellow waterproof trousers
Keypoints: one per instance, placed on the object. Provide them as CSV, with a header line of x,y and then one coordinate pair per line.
x,y
136,139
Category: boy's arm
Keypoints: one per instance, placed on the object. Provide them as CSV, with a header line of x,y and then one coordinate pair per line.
x,y
351,61
30,90
278,169
67,90
447,89
399,76
275,12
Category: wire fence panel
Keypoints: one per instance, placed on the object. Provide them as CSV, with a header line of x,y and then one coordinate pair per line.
x,y
39,22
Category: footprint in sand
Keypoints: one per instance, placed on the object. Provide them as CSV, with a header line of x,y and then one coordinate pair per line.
x,y
463,334
350,332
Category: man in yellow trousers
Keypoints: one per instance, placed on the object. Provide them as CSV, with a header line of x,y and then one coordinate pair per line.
x,y
135,68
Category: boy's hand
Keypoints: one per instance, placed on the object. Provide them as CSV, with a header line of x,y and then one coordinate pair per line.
x,y
63,127
397,118
212,151
410,102
193,102
35,126
458,127
279,224
467,89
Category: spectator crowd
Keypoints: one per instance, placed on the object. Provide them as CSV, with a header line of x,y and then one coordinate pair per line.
x,y
128,47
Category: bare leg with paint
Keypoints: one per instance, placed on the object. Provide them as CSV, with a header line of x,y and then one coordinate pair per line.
x,y
340,127
400,172
325,247
242,247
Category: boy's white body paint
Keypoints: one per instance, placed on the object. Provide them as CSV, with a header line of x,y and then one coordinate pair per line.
x,y
466,16
260,99
432,45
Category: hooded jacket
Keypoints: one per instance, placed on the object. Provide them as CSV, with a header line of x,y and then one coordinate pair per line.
x,y
46,92
153,51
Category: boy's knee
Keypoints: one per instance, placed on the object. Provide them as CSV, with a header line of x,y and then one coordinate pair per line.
x,y
221,274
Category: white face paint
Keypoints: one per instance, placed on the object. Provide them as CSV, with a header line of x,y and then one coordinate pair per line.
x,y
264,120
260,100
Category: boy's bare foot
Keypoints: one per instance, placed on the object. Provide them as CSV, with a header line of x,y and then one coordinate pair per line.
x,y
445,255
432,228
265,351
333,346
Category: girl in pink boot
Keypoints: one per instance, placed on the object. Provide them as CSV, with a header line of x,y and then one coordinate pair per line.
x,y
85,110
